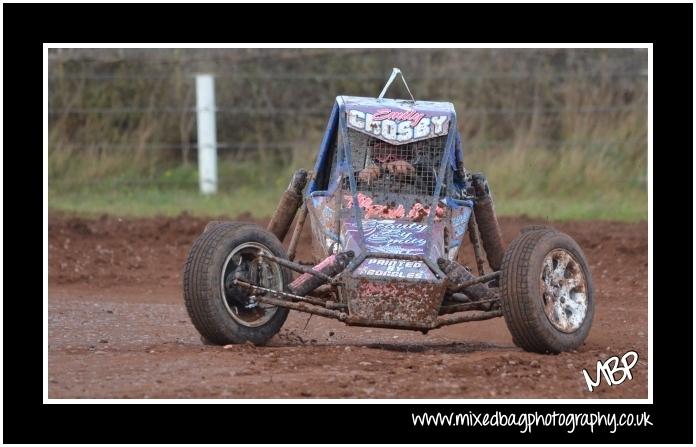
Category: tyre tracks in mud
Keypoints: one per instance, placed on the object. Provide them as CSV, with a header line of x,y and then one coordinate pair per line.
x,y
118,328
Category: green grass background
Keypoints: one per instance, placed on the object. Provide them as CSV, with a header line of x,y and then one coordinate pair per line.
x,y
565,185
560,133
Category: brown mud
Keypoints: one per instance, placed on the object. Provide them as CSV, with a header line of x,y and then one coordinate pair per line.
x,y
118,328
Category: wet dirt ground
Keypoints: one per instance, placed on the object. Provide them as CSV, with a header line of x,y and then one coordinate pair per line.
x,y
118,328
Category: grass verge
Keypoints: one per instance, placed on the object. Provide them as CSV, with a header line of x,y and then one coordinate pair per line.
x,y
261,202
563,185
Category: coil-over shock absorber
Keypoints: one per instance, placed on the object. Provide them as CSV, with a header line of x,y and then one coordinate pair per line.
x,y
487,221
288,205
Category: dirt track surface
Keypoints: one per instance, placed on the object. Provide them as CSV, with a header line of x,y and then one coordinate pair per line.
x,y
118,329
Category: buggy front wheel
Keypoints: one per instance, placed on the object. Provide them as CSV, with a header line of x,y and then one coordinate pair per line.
x,y
546,289
222,312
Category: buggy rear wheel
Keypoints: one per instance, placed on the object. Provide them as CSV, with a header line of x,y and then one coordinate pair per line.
x,y
547,294
222,312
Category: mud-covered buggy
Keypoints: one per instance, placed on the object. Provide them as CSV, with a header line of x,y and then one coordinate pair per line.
x,y
390,204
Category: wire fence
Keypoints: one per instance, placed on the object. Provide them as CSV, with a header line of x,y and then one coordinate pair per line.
x,y
155,146
272,104
314,77
322,111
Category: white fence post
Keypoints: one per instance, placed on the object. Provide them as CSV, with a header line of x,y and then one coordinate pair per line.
x,y
207,140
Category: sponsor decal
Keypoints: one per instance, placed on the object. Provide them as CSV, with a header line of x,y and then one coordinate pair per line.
x,y
388,236
460,222
394,268
387,114
398,126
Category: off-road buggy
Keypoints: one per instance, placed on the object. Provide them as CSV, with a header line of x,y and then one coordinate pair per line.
x,y
390,204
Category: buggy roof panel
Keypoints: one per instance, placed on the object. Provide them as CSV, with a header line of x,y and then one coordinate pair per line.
x,y
397,121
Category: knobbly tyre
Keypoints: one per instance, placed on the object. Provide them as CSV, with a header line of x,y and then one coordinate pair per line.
x,y
390,203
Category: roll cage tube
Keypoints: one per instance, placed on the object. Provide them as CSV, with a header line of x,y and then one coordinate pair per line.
x,y
321,176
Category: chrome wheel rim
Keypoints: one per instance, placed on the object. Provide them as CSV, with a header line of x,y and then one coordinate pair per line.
x,y
268,275
563,291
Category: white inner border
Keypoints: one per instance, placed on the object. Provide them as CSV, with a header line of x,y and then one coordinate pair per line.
x,y
649,400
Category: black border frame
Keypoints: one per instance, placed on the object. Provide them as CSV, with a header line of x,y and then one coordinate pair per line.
x,y
668,27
